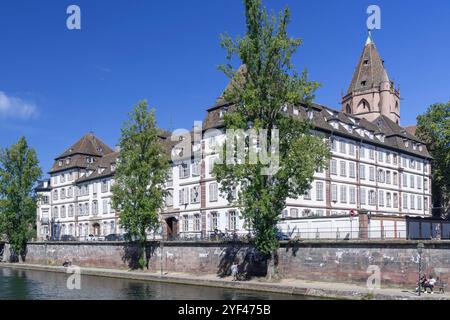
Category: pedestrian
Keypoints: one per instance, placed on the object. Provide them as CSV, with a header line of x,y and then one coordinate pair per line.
x,y
234,271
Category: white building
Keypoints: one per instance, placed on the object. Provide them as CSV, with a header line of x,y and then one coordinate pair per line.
x,y
378,170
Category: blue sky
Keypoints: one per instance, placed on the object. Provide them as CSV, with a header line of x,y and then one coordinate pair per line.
x,y
56,84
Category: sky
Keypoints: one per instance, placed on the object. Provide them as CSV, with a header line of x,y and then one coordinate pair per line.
x,y
57,84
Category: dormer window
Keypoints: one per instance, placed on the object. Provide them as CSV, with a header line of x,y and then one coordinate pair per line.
x,y
113,167
223,111
60,163
68,161
295,111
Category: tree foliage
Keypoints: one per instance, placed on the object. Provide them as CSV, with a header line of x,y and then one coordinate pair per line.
x,y
266,83
19,172
434,129
138,191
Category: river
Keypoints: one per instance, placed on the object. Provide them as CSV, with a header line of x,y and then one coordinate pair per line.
x,y
18,284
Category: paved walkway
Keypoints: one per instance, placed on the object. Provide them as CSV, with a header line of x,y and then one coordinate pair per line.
x,y
286,286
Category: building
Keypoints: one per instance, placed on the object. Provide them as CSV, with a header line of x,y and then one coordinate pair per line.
x,y
76,200
379,174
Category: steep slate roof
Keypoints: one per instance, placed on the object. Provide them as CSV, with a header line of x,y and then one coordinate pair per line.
x,y
321,121
89,144
105,162
370,69
411,129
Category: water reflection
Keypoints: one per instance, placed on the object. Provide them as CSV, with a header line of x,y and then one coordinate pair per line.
x,y
25,284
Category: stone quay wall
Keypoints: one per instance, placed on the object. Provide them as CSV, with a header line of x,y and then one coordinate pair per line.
x,y
343,261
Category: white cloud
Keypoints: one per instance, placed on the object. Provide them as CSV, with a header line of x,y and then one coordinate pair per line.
x,y
13,107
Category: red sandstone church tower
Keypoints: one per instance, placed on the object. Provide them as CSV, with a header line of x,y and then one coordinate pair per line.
x,y
371,93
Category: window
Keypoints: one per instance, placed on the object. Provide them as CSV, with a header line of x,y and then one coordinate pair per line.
x,y
183,196
212,162
352,192
381,176
372,154
197,222
294,213
104,186
342,147
319,213
388,200
63,194
334,193
405,179
413,202
55,214
307,195
362,196
196,168
388,177
333,144
195,194
71,211
55,195
381,198
425,185
45,200
213,221
343,194
419,183
232,220
425,204
404,164
388,158
343,167
372,198
213,194
362,172
411,181
395,178
352,170
94,207
62,178
405,201
395,158
80,209
362,152
395,200
419,203
333,169
371,173
105,206
185,223
63,212
351,150
70,192
184,171
169,198
380,156
319,191
86,209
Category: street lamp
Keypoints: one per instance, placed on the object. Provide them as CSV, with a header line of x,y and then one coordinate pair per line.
x,y
420,247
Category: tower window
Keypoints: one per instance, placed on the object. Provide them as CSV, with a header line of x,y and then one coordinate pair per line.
x,y
366,62
363,83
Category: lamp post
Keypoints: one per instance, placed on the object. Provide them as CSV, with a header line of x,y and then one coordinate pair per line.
x,y
420,247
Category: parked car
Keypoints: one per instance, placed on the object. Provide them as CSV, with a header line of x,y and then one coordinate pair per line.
x,y
281,236
114,237
91,237
68,237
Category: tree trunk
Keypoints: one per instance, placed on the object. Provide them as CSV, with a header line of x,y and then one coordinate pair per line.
x,y
271,267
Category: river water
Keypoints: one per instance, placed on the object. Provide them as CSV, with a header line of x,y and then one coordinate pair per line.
x,y
41,285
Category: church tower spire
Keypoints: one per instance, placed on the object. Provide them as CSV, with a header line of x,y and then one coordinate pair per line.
x,y
371,93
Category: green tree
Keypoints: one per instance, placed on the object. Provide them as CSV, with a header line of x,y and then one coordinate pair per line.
x,y
434,129
138,192
259,91
19,172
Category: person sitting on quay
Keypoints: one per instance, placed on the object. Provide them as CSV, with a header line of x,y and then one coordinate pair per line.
x,y
234,271
430,284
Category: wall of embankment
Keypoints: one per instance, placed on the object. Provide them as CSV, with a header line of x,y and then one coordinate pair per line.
x,y
343,261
